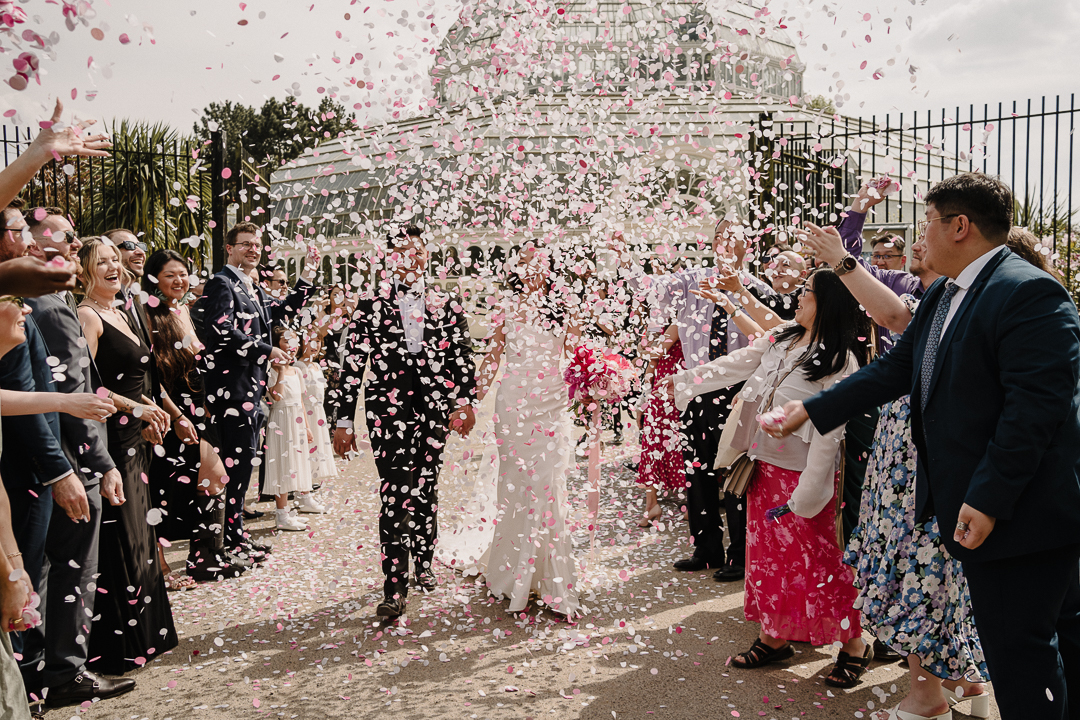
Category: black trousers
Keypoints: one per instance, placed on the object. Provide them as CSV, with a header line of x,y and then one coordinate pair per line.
x,y
240,445
702,423
1027,611
408,455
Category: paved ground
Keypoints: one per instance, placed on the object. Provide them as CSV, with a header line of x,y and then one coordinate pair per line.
x,y
298,638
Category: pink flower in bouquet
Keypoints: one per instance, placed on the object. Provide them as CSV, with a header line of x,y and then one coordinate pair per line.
x,y
30,615
607,377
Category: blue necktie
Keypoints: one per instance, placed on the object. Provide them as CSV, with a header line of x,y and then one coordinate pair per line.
x,y
932,343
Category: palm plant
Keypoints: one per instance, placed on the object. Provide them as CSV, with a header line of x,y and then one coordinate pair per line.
x,y
153,183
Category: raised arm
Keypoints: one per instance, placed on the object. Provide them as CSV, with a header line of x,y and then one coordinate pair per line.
x,y
881,303
742,320
723,372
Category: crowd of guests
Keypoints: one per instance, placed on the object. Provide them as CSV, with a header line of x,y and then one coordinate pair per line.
x,y
862,508
142,396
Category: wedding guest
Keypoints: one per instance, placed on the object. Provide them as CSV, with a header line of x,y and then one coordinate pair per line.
x,y
797,587
56,659
891,552
887,251
188,479
1000,443
309,366
661,467
288,438
238,318
128,564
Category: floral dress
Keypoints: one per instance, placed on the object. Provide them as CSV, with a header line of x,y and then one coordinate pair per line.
x,y
912,593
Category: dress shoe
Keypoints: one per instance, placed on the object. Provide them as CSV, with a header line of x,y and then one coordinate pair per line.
x,y
692,564
214,568
87,686
425,580
252,514
729,573
391,608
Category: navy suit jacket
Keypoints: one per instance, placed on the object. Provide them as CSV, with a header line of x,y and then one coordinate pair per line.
x,y
34,455
85,442
236,331
1001,429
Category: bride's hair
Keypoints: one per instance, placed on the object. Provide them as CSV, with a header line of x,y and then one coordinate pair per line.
x,y
552,304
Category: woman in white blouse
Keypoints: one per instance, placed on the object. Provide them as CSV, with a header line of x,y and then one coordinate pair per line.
x,y
797,586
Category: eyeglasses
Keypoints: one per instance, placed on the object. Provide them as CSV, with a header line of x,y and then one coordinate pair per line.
x,y
875,256
806,289
923,224
131,245
248,245
20,302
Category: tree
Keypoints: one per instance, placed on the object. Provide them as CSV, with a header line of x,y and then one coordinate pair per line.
x,y
280,131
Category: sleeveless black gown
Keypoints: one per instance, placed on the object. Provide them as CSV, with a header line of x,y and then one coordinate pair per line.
x,y
131,574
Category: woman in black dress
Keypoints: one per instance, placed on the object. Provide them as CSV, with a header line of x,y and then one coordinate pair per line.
x,y
187,480
135,620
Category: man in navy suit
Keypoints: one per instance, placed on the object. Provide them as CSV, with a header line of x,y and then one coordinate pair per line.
x,y
237,317
991,360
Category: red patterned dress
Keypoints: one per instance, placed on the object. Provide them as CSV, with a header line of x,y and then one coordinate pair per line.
x,y
661,466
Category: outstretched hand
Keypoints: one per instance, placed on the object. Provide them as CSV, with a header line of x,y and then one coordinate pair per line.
x,y
825,243
31,277
70,140
794,416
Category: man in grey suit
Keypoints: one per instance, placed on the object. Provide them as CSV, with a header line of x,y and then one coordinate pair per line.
x,y
71,546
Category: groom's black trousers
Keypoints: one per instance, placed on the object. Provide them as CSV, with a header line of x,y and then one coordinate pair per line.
x,y
408,451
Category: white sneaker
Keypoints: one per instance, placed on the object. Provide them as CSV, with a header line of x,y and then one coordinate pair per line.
x,y
286,521
308,504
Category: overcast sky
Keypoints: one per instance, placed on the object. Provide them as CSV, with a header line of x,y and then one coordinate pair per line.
x,y
963,51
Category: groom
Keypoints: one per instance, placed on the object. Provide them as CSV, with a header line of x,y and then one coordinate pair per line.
x,y
421,385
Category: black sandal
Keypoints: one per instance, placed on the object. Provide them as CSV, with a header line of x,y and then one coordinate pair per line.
x,y
848,670
761,654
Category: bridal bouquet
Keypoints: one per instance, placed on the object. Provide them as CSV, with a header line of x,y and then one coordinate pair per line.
x,y
593,374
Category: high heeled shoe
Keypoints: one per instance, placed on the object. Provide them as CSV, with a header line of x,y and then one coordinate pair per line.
x,y
980,703
649,517
895,713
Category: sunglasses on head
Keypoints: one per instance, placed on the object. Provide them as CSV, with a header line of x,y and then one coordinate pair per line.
x,y
131,245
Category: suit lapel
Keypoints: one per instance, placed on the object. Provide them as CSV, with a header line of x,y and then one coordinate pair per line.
x,y
958,318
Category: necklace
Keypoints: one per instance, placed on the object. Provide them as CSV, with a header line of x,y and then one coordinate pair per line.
x,y
110,308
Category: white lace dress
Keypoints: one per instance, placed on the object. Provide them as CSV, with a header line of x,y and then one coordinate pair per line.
x,y
527,550
322,459
287,466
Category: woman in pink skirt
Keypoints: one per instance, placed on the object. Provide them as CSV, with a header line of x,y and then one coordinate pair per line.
x,y
797,586
661,465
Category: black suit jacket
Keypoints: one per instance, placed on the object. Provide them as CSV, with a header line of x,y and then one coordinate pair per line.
x,y
85,442
1001,429
399,383
236,331
34,455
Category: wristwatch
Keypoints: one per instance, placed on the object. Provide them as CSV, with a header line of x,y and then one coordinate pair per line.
x,y
846,265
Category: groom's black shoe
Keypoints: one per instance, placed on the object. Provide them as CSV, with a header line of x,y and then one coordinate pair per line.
x,y
692,564
729,573
87,686
425,580
391,608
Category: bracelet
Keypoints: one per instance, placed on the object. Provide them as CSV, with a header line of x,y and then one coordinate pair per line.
x,y
14,555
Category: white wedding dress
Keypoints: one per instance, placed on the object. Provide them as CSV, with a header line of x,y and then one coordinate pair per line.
x,y
514,527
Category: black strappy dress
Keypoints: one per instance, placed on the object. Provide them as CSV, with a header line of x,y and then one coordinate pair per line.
x,y
134,620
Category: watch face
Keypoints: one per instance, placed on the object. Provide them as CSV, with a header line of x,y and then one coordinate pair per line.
x,y
849,263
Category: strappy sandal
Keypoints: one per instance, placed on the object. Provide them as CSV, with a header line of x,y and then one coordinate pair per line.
x,y
848,670
761,654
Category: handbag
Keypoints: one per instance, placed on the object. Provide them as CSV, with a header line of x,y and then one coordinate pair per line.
x,y
726,455
741,470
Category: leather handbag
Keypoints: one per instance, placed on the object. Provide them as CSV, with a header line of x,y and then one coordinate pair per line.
x,y
741,471
726,455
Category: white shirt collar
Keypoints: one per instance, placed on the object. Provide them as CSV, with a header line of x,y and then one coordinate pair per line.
x,y
417,286
243,276
967,275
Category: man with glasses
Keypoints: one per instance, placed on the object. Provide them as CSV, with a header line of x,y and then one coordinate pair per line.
x,y
57,660
888,252
238,316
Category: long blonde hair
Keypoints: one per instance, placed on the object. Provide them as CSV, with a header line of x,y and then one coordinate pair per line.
x,y
89,254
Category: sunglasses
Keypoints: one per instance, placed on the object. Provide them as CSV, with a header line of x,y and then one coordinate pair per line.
x,y
20,302
69,236
130,245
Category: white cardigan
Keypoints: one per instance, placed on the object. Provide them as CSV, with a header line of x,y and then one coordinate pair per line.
x,y
761,366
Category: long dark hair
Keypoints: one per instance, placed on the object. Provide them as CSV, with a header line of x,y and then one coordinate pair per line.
x,y
841,326
175,361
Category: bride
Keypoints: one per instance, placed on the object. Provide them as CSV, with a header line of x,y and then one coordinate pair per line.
x,y
527,550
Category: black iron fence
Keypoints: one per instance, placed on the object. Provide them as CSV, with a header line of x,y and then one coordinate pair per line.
x,y
1029,145
175,193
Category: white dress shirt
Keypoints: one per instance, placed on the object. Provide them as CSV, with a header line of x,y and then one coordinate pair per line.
x,y
410,301
248,283
963,281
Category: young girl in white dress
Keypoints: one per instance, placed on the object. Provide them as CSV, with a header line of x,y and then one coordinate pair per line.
x,y
528,548
322,455
288,437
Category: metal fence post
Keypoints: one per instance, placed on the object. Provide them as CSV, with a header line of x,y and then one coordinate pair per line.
x,y
217,191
